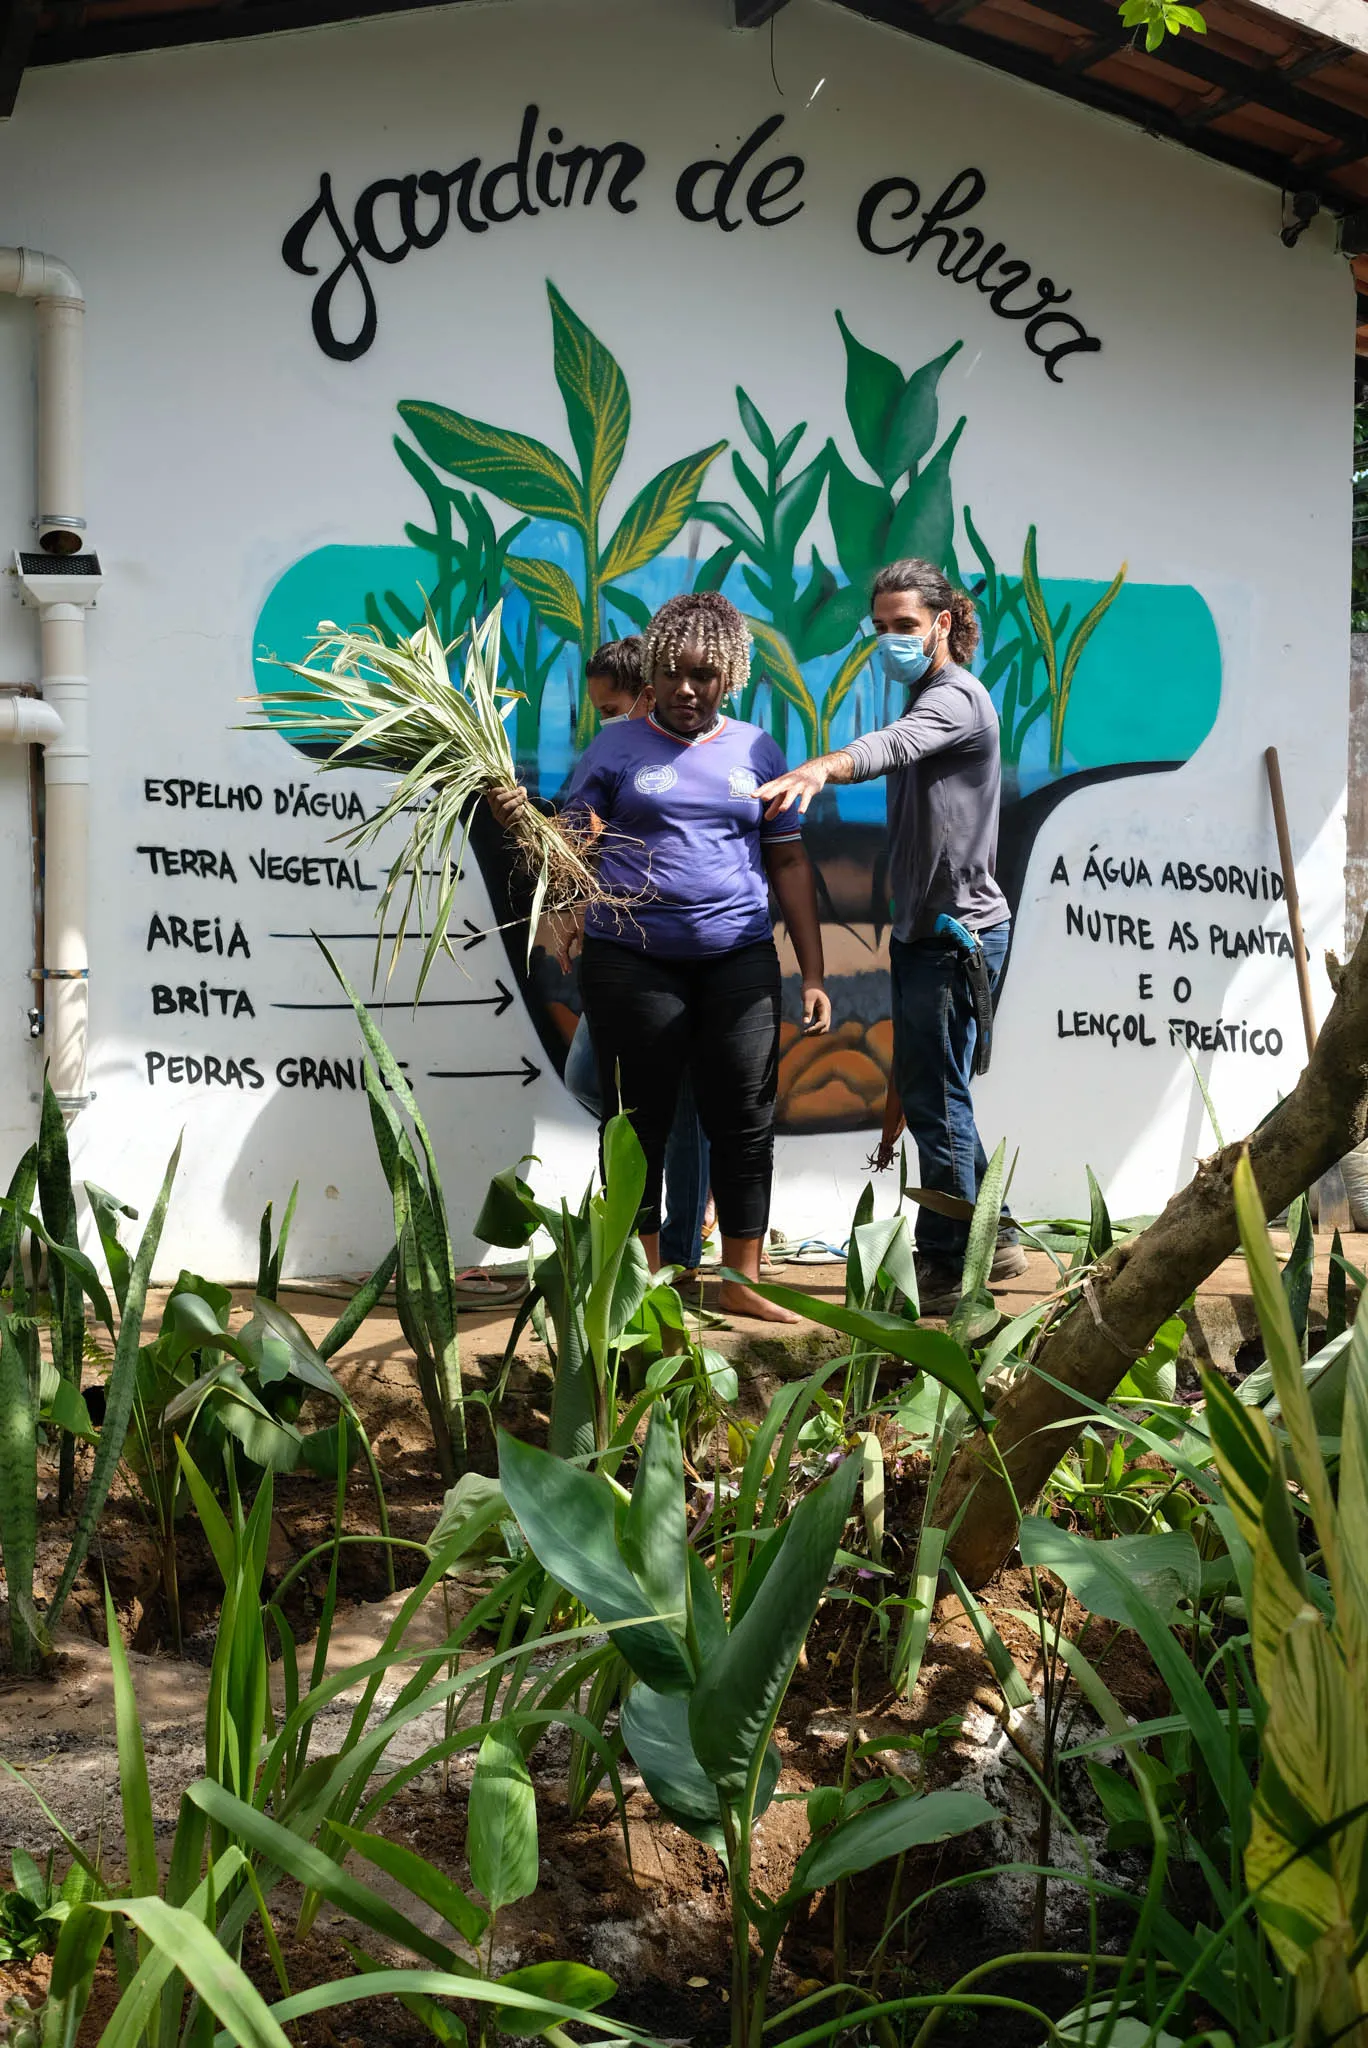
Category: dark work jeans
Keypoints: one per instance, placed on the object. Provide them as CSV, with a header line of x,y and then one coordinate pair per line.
x,y
717,1020
934,1040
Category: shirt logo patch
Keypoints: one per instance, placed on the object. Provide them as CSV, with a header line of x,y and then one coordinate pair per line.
x,y
743,782
655,781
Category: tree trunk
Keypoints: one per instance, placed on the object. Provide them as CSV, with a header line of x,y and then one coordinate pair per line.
x,y
1141,1283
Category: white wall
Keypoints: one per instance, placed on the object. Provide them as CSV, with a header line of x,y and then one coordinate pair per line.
x,y
1207,444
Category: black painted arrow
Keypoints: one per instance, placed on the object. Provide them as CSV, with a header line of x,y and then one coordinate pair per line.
x,y
479,937
502,1001
527,1073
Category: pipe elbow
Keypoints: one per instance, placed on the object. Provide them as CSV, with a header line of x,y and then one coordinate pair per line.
x,y
28,721
29,274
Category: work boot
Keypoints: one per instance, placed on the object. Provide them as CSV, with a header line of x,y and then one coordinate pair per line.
x,y
939,1285
1009,1261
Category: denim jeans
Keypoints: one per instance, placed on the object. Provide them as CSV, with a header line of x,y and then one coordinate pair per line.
x,y
686,1154
934,1041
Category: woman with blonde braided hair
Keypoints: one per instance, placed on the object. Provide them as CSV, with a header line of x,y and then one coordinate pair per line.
x,y
678,972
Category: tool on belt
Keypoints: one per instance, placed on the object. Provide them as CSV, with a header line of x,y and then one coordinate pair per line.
x,y
980,989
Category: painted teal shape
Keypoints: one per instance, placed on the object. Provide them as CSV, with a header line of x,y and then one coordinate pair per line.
x,y
1147,687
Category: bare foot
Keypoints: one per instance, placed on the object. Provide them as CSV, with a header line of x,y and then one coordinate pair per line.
x,y
744,1301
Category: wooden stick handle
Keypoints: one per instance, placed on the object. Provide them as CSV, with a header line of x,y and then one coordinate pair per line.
x,y
1289,875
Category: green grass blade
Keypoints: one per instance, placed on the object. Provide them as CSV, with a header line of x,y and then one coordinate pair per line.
x,y
140,1845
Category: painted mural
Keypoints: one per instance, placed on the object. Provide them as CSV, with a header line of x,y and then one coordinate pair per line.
x,y
1070,663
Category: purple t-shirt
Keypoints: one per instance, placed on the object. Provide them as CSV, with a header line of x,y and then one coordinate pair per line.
x,y
683,833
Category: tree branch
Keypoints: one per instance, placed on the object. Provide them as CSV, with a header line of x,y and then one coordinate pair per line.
x,y
1142,1282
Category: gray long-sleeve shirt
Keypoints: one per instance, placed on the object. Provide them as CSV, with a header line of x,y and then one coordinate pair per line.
x,y
944,767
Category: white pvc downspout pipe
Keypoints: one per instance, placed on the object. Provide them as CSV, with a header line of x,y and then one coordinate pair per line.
x,y
58,722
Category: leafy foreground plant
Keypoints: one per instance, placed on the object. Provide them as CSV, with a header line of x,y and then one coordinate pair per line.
x,y
397,707
710,1685
21,1393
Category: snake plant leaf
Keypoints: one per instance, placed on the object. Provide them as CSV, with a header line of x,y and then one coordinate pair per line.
x,y
1162,1569
861,514
546,586
597,406
615,1293
924,522
569,1518
912,429
501,1838
560,1983
655,1530
656,1732
657,512
119,1394
889,1830
18,1486
523,472
18,1201
874,386
1315,1771
738,1694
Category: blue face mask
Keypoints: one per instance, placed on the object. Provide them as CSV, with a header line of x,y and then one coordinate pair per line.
x,y
903,657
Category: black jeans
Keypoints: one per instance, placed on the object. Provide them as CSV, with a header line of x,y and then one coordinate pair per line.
x,y
716,1019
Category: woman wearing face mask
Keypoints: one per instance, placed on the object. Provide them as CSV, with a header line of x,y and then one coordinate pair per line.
x,y
951,925
679,974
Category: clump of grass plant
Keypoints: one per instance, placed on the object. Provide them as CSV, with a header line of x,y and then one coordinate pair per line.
x,y
393,703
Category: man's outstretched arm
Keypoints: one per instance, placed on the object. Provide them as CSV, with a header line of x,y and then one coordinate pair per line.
x,y
801,785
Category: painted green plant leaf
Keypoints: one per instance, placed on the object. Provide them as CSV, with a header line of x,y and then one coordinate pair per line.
x,y
523,472
924,522
874,387
861,514
597,407
912,429
548,588
796,504
656,514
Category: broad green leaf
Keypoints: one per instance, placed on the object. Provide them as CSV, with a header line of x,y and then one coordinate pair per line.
x,y
501,1839
976,1312
1162,1569
656,514
930,1350
597,406
796,503
523,472
655,1529
874,387
569,1517
738,1694
561,1983
921,1597
509,1216
912,429
546,586
656,1732
889,1830
924,522
304,1361
1315,1769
